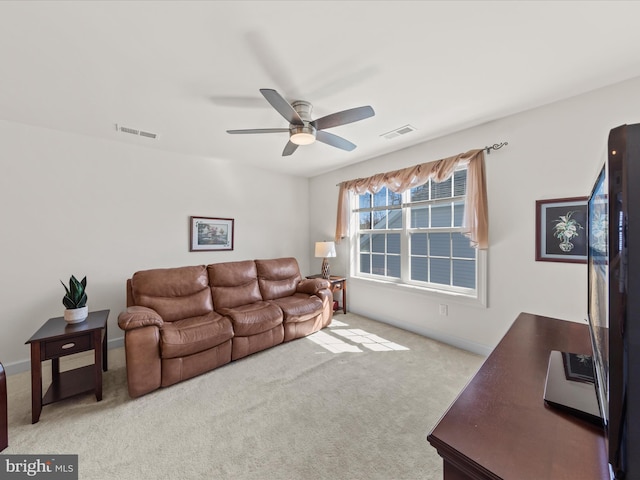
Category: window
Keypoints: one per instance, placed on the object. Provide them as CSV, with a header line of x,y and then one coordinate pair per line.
x,y
416,237
380,224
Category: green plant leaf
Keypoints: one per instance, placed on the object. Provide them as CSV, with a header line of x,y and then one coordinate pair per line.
x,y
83,301
75,284
75,295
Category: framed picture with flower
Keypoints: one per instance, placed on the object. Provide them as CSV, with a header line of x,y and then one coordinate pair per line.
x,y
561,230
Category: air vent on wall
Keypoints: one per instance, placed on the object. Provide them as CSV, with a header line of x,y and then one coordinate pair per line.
x,y
398,131
133,131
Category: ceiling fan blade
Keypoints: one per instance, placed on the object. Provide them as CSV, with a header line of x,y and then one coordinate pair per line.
x,y
334,140
283,107
259,130
289,149
344,117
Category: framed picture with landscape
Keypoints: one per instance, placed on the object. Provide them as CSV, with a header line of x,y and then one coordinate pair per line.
x,y
207,233
561,230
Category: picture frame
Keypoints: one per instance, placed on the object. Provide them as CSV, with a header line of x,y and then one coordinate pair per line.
x,y
210,234
578,367
561,230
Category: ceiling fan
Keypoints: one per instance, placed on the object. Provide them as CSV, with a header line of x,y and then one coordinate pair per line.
x,y
302,129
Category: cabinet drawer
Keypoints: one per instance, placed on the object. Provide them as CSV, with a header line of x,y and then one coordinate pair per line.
x,y
67,346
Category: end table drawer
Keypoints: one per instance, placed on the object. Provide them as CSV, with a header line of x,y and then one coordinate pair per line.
x,y
58,348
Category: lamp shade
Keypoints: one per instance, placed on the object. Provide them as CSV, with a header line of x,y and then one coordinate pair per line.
x,y
325,249
302,138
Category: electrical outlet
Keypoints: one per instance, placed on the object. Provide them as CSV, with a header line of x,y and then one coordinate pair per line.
x,y
444,309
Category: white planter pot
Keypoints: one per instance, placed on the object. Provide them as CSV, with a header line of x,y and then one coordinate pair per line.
x,y
76,315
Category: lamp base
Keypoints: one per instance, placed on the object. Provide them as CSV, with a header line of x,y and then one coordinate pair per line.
x,y
325,268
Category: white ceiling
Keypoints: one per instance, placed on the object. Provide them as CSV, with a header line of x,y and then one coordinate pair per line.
x,y
191,70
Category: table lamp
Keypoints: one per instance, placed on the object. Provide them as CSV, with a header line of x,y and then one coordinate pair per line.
x,y
325,250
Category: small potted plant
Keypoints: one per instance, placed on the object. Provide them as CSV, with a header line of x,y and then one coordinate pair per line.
x,y
75,300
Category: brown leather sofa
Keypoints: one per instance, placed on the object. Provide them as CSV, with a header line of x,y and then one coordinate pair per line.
x,y
182,322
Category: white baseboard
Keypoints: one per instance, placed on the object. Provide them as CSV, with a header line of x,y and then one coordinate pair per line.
x,y
457,342
25,365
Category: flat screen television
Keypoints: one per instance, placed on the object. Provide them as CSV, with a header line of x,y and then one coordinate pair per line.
x,y
614,296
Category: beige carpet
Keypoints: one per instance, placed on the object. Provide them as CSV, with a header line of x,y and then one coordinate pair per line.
x,y
354,401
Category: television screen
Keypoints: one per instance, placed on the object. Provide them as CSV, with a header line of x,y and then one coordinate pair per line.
x,y
614,299
598,287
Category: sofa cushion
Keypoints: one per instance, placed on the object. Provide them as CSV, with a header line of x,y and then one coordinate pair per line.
x,y
192,335
175,293
233,284
299,307
254,318
278,277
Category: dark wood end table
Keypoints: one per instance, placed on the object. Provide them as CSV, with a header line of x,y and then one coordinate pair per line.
x,y
56,339
337,283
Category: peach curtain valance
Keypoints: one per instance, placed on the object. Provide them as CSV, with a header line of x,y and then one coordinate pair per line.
x,y
475,221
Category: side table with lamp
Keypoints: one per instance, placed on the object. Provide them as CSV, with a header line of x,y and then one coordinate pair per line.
x,y
337,283
326,250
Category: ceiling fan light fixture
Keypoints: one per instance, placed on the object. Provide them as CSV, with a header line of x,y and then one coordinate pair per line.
x,y
303,135
303,130
302,138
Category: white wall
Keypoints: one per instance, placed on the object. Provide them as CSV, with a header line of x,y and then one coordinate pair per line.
x,y
77,205
554,152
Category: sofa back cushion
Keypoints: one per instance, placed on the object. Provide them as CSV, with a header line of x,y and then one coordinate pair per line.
x,y
233,284
278,277
175,293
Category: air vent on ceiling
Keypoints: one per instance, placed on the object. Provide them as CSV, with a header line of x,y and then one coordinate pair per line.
x,y
133,131
398,131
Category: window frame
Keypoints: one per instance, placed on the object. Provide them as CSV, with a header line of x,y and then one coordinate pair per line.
x,y
475,296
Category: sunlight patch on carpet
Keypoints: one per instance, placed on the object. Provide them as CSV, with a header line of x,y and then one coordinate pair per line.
x,y
353,335
332,343
369,340
337,323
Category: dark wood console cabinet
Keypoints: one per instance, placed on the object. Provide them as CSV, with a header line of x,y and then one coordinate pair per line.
x,y
499,427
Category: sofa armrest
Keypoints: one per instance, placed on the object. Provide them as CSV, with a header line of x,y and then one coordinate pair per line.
x,y
137,317
311,286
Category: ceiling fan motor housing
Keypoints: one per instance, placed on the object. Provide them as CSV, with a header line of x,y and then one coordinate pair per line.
x,y
303,109
302,134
